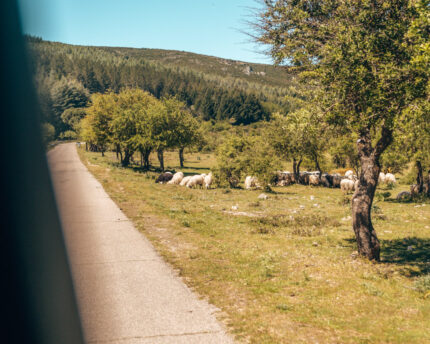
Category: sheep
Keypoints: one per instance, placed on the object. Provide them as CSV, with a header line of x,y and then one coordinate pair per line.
x,y
177,178
208,180
185,180
390,179
304,178
164,177
251,182
284,178
327,180
314,180
336,180
381,178
347,185
196,180
349,174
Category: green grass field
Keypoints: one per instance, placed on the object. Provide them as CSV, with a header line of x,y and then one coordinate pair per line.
x,y
282,270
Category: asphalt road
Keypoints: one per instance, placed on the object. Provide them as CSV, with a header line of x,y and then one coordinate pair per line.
x,y
126,293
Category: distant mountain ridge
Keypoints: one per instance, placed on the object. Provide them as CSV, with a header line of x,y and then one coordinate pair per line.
x,y
213,88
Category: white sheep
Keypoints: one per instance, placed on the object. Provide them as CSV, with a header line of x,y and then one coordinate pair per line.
x,y
381,178
347,185
185,180
349,174
177,178
208,180
251,182
196,180
314,180
390,179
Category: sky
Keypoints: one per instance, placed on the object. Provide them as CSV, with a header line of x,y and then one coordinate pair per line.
x,y
210,27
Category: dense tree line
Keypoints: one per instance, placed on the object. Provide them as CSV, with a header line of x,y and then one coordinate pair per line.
x,y
133,121
66,75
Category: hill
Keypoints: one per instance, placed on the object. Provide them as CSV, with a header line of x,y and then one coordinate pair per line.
x,y
213,88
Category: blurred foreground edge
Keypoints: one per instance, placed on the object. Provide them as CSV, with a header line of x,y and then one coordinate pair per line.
x,y
37,298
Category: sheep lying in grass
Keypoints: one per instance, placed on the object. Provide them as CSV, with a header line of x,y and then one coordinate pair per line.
x,y
251,182
314,180
164,177
177,178
381,178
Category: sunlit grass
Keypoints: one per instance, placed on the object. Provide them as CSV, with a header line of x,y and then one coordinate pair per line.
x,y
282,271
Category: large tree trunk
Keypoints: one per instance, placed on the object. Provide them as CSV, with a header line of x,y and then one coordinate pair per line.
x,y
420,177
367,240
160,155
181,157
127,156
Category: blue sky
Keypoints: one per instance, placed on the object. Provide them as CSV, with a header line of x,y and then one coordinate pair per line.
x,y
211,27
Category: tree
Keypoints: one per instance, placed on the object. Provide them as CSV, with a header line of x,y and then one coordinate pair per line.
x,y
72,117
96,126
129,114
66,94
413,135
48,133
361,54
343,151
239,156
184,126
298,135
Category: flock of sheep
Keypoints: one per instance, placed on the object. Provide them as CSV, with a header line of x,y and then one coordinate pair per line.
x,y
347,183
198,180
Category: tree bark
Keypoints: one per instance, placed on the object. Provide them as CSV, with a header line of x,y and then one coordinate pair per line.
x,y
160,155
127,156
146,154
367,240
428,183
317,164
420,177
181,157
296,169
117,149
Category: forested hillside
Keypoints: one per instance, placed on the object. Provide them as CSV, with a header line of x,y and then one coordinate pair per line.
x,y
213,88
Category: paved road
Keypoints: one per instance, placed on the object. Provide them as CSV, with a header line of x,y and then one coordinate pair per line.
x,y
126,293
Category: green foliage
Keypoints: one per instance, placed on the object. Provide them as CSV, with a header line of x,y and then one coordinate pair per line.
x,y
134,120
48,133
66,94
366,57
215,89
68,135
72,117
296,136
239,156
422,284
343,151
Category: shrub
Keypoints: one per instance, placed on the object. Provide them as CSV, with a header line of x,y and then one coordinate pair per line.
x,y
239,156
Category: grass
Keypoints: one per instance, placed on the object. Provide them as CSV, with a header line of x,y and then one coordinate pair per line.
x,y
283,271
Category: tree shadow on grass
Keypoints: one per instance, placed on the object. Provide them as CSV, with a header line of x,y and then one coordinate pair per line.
x,y
411,254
